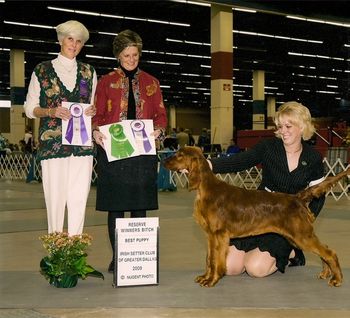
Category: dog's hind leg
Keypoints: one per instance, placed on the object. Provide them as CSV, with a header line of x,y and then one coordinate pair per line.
x,y
326,271
331,266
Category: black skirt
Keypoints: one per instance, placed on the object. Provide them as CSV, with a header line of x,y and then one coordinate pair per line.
x,y
126,184
275,244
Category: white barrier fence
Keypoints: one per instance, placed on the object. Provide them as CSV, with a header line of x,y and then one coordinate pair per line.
x,y
19,166
250,179
23,166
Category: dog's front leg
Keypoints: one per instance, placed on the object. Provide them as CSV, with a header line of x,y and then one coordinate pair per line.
x,y
216,260
199,279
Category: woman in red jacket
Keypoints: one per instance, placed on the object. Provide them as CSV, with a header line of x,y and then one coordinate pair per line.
x,y
127,93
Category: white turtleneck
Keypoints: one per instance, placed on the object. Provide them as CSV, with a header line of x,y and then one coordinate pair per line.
x,y
66,70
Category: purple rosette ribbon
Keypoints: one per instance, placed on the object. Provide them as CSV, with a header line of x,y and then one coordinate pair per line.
x,y
76,122
139,131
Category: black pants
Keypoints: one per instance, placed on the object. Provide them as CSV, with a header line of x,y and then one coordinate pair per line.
x,y
112,215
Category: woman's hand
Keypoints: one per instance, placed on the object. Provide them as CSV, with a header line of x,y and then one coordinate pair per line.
x,y
60,112
90,111
98,137
156,133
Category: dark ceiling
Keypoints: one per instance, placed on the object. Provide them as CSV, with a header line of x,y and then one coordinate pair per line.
x,y
316,74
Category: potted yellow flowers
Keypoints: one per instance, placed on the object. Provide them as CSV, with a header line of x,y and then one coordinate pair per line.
x,y
66,260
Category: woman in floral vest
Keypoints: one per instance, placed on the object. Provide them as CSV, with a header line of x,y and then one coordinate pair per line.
x,y
66,168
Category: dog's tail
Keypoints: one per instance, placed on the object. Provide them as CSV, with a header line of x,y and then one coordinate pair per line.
x,y
320,189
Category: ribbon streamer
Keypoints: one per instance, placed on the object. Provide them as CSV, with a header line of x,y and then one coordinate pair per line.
x,y
83,88
120,145
139,131
77,113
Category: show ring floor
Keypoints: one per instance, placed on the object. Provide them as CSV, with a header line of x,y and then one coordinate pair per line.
x,y
25,292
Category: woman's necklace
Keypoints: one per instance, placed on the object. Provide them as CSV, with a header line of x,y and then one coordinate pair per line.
x,y
294,152
293,158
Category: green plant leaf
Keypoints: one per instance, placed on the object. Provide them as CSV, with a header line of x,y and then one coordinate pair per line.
x,y
93,272
45,264
79,265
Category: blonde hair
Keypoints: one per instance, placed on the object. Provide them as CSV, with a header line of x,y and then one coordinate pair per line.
x,y
124,39
298,115
72,28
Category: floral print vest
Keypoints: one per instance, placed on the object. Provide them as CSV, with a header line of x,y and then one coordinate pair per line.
x,y
52,94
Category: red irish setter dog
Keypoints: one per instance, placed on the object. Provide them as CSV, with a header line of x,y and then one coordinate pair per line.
x,y
225,211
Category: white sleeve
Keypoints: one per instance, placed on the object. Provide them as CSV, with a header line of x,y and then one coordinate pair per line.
x,y
314,182
33,96
94,84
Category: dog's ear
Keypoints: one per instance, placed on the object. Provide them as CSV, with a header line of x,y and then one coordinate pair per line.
x,y
194,175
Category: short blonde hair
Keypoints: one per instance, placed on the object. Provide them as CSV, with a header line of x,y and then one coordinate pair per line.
x,y
72,28
298,115
124,39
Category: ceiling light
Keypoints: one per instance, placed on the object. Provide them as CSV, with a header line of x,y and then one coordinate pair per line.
x,y
346,25
193,2
118,17
244,10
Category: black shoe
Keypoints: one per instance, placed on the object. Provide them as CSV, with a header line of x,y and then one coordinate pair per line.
x,y
111,267
298,259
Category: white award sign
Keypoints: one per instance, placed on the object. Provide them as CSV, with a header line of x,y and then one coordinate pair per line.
x,y
129,138
136,252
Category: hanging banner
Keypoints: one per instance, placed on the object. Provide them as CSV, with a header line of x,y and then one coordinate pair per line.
x,y
136,252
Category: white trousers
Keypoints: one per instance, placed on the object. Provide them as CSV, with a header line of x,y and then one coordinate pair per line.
x,y
66,182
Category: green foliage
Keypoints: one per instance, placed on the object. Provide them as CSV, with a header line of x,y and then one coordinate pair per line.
x,y
66,260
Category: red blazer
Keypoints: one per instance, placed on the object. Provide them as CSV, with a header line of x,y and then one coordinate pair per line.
x,y
111,99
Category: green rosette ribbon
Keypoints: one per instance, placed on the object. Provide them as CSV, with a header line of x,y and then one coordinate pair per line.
x,y
120,145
